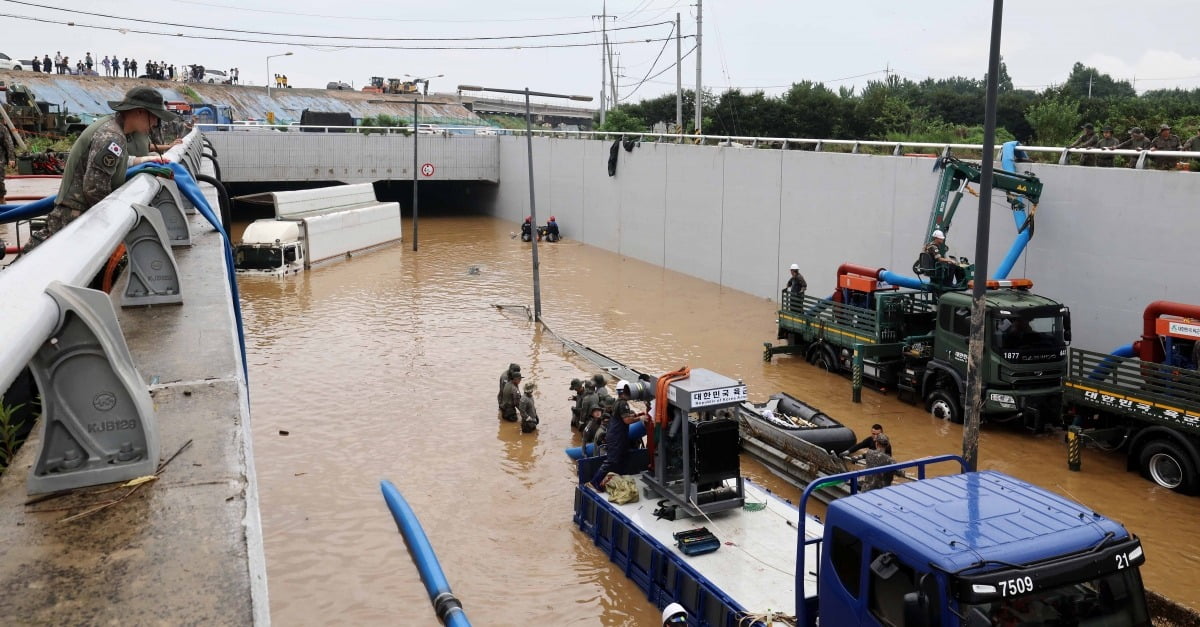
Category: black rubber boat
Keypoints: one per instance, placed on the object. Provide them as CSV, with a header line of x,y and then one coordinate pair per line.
x,y
795,439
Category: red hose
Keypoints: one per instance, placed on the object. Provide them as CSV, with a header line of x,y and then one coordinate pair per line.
x,y
660,406
11,250
9,199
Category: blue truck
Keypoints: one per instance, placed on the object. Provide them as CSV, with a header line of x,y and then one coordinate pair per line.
x,y
974,548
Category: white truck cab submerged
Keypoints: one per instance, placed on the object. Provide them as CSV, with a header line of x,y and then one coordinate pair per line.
x,y
316,225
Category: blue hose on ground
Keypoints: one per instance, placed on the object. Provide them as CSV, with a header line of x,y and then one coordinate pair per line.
x,y
636,430
448,608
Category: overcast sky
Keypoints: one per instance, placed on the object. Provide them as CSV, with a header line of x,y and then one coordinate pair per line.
x,y
750,44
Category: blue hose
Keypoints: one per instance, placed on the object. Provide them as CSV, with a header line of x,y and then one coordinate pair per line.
x,y
445,604
13,213
1014,253
903,281
636,430
1108,364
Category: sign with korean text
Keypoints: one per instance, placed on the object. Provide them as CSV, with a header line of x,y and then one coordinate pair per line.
x,y
719,396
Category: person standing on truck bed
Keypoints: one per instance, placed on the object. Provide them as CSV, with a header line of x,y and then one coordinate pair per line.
x,y
98,160
796,286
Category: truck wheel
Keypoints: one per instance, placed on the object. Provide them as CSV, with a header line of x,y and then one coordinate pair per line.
x,y
1167,464
825,362
944,404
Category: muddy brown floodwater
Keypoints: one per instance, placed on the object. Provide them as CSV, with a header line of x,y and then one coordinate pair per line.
x,y
386,366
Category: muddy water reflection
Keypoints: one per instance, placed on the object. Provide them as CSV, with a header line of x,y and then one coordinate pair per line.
x,y
385,366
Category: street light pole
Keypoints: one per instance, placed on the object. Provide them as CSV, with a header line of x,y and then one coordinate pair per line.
x,y
537,285
285,54
416,103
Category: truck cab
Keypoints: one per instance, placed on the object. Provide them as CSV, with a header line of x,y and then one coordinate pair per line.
x,y
271,247
976,548
1025,353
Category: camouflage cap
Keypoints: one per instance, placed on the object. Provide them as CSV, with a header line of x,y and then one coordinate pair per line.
x,y
1164,127
1106,129
1088,125
589,385
514,368
146,98
530,386
600,380
1137,130
575,383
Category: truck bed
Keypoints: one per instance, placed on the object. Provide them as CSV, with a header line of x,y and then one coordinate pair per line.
x,y
1134,388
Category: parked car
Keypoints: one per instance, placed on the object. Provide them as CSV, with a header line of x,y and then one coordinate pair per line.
x,y
338,85
7,63
216,76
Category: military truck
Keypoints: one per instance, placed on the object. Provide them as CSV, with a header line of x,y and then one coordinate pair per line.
x,y
915,342
38,116
1144,398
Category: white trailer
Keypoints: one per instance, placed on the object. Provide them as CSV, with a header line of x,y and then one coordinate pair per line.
x,y
312,226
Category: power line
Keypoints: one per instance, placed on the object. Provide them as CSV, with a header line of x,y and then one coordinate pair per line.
x,y
663,71
656,59
319,46
308,36
380,19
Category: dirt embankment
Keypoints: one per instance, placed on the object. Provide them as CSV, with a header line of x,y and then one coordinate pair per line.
x,y
90,94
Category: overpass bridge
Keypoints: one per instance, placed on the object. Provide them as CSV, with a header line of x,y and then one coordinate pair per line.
x,y
352,154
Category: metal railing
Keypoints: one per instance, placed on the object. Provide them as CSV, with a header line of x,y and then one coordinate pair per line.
x,y
72,256
438,129
856,146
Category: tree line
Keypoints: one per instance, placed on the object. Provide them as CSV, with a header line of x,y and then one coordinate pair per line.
x,y
943,110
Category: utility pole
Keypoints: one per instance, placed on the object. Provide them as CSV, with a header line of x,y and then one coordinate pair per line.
x,y
616,76
982,232
678,77
699,84
604,60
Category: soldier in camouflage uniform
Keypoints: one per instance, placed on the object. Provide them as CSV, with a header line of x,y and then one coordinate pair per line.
x,y
528,411
1106,142
8,155
98,160
600,383
875,458
577,415
1193,145
1136,141
1166,140
510,397
590,401
1087,140
504,379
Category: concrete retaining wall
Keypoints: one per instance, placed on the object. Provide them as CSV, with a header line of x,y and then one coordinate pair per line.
x,y
264,155
1107,241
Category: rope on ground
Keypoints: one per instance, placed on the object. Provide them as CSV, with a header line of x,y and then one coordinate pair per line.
x,y
738,546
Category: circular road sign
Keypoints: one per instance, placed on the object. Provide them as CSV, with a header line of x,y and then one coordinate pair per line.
x,y
427,169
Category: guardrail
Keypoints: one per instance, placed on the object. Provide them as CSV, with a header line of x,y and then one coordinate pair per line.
x,y
68,335
466,131
856,146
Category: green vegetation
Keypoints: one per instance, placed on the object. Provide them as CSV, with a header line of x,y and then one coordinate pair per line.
x,y
10,430
191,94
386,121
944,110
38,143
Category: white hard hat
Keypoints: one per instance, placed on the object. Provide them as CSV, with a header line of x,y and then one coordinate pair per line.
x,y
671,611
622,385
938,234
795,266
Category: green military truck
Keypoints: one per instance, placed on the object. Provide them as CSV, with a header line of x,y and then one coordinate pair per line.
x,y
915,342
1145,397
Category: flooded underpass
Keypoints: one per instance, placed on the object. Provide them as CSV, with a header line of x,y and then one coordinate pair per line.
x,y
386,366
